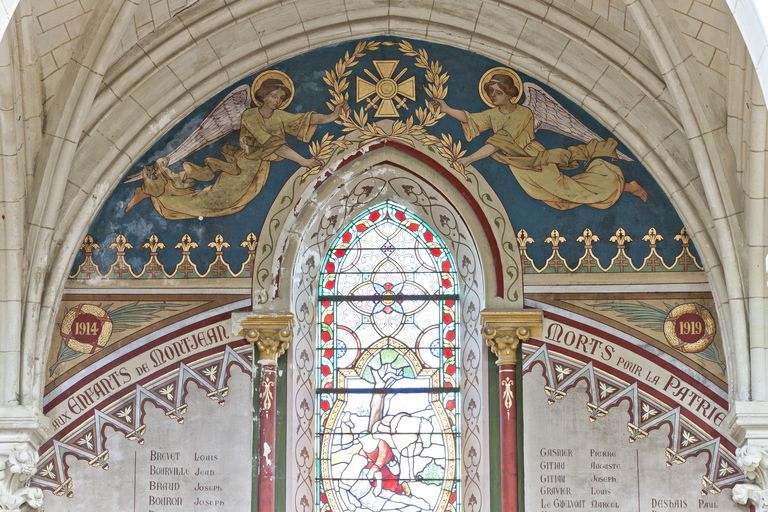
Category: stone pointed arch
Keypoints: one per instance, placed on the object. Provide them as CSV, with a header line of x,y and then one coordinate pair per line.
x,y
216,44
304,200
302,224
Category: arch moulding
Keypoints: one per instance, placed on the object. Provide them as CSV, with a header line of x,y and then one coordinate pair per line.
x,y
126,120
300,227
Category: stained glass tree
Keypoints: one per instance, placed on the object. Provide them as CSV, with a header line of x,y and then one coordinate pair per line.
x,y
387,420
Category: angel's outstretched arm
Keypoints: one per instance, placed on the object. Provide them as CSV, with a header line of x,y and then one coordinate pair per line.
x,y
455,113
483,152
289,154
329,117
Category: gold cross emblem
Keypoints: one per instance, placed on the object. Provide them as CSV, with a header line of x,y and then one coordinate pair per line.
x,y
386,93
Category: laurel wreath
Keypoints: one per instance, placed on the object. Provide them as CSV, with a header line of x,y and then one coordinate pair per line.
x,y
413,127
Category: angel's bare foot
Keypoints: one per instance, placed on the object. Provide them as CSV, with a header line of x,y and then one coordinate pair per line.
x,y
634,188
138,196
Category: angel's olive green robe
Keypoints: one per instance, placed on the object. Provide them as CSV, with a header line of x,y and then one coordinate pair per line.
x,y
242,173
538,170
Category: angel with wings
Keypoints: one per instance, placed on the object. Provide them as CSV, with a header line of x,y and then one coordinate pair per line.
x,y
536,168
239,177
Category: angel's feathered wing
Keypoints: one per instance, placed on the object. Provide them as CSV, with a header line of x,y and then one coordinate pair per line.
x,y
549,114
223,120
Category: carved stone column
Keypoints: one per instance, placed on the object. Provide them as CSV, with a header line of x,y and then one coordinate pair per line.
x,y
22,431
749,424
503,331
271,335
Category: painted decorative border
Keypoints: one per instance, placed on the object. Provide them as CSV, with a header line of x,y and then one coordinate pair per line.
x,y
621,263
588,263
154,269
167,391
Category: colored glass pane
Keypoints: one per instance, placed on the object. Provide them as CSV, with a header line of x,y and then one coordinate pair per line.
x,y
387,415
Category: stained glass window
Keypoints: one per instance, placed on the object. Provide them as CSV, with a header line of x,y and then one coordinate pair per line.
x,y
387,414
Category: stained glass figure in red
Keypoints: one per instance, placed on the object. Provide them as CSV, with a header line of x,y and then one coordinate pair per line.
x,y
387,424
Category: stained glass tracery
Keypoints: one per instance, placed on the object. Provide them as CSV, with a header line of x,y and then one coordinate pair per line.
x,y
387,414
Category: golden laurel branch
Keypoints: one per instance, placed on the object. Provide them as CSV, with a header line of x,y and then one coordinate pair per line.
x,y
413,127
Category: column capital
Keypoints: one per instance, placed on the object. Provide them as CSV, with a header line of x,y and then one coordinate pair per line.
x,y
503,330
753,460
271,333
22,431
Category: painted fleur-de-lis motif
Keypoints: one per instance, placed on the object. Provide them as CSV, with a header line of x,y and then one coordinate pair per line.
x,y
219,267
556,263
554,239
686,260
621,238
89,245
153,268
683,237
219,243
250,242
186,268
653,261
652,237
186,244
621,262
88,267
588,238
523,239
588,262
120,245
522,242
120,269
153,244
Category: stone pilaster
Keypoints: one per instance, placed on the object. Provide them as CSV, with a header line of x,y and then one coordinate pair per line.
x,y
270,334
22,431
503,331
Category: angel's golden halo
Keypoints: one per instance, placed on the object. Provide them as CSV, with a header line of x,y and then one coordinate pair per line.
x,y
499,71
278,75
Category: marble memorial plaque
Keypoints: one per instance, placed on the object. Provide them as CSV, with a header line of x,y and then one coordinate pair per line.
x,y
574,464
201,465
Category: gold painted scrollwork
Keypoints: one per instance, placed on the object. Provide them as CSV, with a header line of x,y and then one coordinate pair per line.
x,y
508,395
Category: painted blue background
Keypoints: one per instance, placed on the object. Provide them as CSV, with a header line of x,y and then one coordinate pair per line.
x,y
465,70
